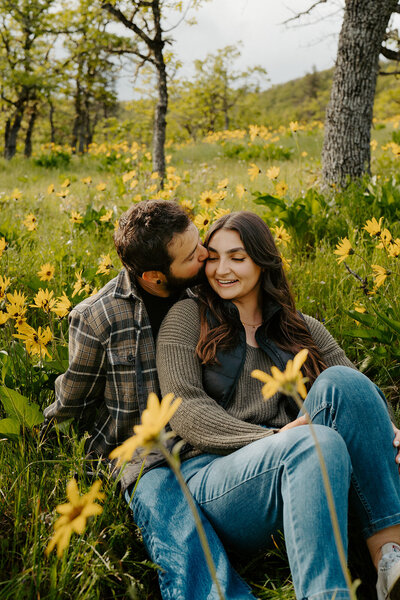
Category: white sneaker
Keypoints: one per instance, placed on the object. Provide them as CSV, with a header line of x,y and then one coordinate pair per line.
x,y
388,582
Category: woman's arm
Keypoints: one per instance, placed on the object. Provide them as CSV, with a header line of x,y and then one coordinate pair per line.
x,y
331,352
200,420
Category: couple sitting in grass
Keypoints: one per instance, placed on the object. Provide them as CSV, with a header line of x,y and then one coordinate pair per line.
x,y
251,465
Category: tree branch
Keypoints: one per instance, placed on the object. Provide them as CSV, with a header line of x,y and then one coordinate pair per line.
x,y
304,12
390,54
128,24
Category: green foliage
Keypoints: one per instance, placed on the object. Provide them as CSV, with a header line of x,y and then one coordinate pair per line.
x,y
256,151
56,159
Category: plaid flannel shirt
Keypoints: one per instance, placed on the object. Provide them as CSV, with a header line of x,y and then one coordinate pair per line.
x,y
112,370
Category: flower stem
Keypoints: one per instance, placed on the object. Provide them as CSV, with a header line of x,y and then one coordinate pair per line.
x,y
173,463
331,503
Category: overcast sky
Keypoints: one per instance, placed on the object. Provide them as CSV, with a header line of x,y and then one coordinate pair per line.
x,y
285,51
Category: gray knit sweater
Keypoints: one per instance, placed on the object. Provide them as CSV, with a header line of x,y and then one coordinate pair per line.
x,y
200,420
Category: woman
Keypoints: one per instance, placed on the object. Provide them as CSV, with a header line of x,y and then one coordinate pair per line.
x,y
253,466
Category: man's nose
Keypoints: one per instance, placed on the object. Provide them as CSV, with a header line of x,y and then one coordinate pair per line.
x,y
203,253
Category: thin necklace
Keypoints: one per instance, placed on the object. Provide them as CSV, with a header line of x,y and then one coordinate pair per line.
x,y
251,324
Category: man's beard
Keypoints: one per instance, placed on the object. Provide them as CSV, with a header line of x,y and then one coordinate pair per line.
x,y
178,284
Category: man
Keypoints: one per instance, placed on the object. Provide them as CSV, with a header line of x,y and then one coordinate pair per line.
x,y
111,372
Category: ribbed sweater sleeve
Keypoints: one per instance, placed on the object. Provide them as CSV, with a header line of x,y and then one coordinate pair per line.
x,y
331,352
200,420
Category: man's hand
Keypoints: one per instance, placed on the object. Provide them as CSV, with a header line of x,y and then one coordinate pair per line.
x,y
303,421
396,443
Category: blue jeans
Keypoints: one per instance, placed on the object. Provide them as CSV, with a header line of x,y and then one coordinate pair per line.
x,y
275,484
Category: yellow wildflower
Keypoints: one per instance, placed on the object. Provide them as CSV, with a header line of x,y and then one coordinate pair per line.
x,y
273,172
187,205
35,341
154,175
151,189
3,245
220,212
16,306
202,220
208,199
394,249
223,183
289,382
3,317
304,154
373,227
294,126
154,418
281,188
63,306
107,216
359,308
46,272
51,188
380,275
74,515
343,250
78,285
4,283
76,217
16,194
128,176
63,194
386,238
30,222
105,265
44,300
281,235
87,180
373,144
101,186
286,263
133,184
253,171
240,190
66,183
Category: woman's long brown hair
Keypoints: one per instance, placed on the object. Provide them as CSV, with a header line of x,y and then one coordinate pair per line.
x,y
287,328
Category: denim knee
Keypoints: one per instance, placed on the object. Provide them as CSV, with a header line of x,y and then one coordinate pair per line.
x,y
332,445
340,383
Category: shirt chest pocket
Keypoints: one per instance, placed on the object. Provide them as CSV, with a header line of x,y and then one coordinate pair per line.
x,y
121,362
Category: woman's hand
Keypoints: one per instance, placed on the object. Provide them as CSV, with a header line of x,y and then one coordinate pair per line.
x,y
396,443
303,421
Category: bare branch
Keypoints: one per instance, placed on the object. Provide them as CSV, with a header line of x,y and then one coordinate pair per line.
x,y
389,72
128,24
305,12
181,19
390,54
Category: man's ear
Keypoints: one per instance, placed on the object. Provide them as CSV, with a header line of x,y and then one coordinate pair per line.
x,y
154,277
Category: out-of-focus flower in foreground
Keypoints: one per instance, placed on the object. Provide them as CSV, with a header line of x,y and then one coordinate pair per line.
x,y
289,382
146,435
74,515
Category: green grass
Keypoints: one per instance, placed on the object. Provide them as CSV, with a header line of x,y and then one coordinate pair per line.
x,y
108,560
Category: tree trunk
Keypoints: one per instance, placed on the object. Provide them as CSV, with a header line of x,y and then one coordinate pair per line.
x,y
29,131
346,150
160,123
11,132
51,120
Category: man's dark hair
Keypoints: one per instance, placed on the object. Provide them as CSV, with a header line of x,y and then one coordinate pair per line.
x,y
144,232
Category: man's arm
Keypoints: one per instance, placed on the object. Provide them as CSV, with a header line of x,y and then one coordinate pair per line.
x,y
82,385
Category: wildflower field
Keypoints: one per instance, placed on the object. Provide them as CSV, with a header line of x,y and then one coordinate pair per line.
x,y
58,212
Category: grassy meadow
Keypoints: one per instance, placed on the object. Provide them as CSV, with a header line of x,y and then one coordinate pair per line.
x,y
57,215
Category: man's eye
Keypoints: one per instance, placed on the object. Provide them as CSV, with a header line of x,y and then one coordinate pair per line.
x,y
210,258
238,259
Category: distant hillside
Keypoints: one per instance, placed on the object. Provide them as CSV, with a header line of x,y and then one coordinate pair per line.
x,y
306,98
